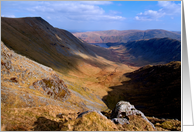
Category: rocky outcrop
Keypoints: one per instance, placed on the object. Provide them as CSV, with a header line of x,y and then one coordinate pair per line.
x,y
54,87
124,109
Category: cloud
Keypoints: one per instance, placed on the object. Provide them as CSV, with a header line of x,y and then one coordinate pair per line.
x,y
169,8
72,10
149,15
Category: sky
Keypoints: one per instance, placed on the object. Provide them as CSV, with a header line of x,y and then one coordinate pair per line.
x,y
99,15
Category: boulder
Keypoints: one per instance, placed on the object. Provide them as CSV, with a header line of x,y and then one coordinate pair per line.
x,y
124,109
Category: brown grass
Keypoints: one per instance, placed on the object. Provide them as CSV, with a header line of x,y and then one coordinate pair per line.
x,y
33,118
90,122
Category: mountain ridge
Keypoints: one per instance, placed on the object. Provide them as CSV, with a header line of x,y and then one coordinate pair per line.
x,y
117,36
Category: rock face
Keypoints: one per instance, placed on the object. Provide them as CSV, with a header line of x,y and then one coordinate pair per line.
x,y
124,109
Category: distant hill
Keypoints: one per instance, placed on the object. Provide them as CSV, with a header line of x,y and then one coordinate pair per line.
x,y
116,36
151,51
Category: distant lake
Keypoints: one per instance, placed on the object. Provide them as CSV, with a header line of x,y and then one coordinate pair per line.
x,y
100,44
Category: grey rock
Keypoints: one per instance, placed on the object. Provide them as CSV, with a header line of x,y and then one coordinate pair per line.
x,y
124,109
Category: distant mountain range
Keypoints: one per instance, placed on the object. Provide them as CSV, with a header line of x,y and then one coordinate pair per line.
x,y
116,36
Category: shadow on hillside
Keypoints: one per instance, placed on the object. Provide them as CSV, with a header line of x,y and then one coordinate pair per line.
x,y
156,94
41,42
56,61
44,124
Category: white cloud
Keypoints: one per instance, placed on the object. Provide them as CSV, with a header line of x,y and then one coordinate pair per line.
x,y
168,8
78,11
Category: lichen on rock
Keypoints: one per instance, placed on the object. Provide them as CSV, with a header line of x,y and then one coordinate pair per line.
x,y
53,87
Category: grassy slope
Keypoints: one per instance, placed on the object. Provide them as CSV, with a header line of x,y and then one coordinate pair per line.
x,y
18,76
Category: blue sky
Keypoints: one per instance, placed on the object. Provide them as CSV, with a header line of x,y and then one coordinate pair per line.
x,y
99,15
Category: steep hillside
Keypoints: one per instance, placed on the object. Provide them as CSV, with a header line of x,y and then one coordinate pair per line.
x,y
156,90
28,84
38,40
151,51
115,36
40,85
